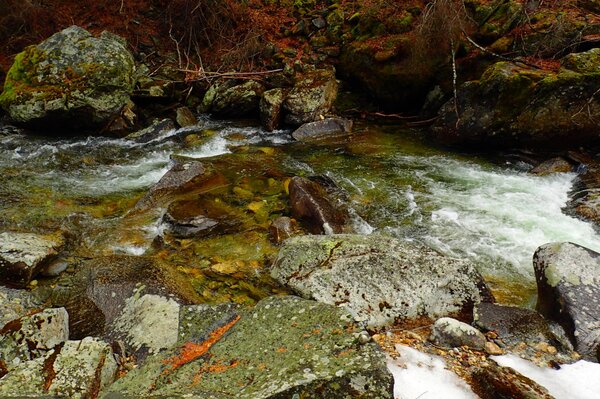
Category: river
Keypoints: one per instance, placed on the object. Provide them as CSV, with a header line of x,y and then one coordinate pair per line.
x,y
463,205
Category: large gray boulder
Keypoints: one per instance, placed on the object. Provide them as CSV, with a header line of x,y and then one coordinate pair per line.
x,y
72,80
23,255
378,279
285,347
568,281
311,97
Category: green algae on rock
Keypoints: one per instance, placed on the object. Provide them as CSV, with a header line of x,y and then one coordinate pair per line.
x,y
71,80
284,347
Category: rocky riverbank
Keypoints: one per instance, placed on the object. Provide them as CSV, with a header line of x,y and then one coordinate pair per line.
x,y
261,280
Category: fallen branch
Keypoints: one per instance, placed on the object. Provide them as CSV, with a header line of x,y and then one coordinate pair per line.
x,y
204,75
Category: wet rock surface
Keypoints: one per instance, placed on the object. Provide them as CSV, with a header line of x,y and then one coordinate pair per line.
x,y
305,349
323,130
270,108
568,280
157,129
71,80
314,206
554,165
496,382
24,255
379,279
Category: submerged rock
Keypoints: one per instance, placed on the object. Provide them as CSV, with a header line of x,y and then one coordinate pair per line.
x,y
312,205
77,369
568,281
513,105
311,97
284,347
281,229
451,332
24,255
379,279
322,130
71,80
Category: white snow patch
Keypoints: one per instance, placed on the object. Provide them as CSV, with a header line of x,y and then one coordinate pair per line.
x,y
419,375
580,380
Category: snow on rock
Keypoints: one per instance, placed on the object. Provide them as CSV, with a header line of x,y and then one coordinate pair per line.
x,y
580,380
419,375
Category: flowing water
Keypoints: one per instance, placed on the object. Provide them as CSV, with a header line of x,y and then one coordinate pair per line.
x,y
463,206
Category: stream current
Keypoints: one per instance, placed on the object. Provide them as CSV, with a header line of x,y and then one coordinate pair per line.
x,y
461,205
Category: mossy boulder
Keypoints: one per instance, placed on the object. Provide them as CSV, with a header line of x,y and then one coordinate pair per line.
x,y
230,99
312,96
71,81
517,105
285,347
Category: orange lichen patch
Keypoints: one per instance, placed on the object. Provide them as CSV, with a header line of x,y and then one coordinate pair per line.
x,y
218,367
281,350
192,351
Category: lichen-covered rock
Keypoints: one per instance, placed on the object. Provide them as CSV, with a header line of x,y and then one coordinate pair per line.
x,y
312,205
23,255
311,97
97,294
270,108
231,100
285,347
16,303
379,279
71,80
568,281
515,105
33,336
77,369
323,129
451,332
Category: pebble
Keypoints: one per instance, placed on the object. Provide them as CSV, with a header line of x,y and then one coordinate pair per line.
x,y
493,349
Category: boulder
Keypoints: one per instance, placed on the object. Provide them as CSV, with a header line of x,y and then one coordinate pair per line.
x,y
77,369
551,166
312,205
24,255
323,129
568,281
496,382
270,108
157,129
516,105
30,337
97,294
284,347
378,279
311,97
453,333
72,80
185,117
232,100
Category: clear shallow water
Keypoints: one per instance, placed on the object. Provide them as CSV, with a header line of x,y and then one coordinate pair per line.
x,y
463,206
